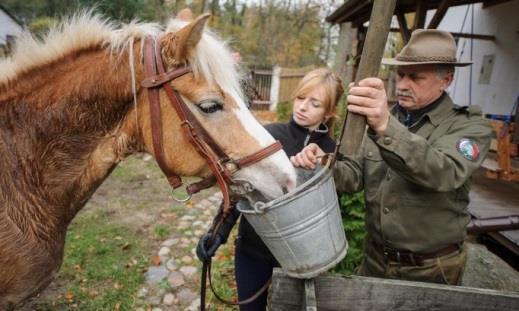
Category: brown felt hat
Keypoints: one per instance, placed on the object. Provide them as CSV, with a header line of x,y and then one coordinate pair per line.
x,y
427,46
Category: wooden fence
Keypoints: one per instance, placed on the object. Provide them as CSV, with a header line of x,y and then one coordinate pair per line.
x,y
272,86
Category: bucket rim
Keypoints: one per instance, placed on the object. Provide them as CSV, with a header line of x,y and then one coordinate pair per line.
x,y
261,207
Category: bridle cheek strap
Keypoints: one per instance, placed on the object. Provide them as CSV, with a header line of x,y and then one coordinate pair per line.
x,y
222,166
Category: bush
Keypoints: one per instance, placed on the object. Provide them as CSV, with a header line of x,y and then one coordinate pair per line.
x,y
352,212
284,111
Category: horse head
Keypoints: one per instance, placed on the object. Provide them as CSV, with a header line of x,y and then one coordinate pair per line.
x,y
210,89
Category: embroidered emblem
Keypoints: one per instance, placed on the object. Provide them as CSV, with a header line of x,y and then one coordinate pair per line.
x,y
468,148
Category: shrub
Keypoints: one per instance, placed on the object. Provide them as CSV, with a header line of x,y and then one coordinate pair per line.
x,y
352,212
284,111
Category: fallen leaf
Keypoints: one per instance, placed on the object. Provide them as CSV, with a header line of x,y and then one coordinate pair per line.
x,y
156,260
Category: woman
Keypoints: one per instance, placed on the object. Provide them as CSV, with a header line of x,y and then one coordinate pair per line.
x,y
313,115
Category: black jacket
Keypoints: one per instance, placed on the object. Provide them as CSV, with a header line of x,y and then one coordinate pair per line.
x,y
294,138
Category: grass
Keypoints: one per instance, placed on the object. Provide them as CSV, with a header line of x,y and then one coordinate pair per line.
x,y
161,231
103,267
223,276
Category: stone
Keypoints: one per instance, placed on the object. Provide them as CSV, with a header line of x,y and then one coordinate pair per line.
x,y
186,296
206,203
176,279
156,309
199,232
168,299
194,306
142,292
156,274
171,265
183,225
188,271
188,233
187,218
187,260
164,251
185,241
155,300
170,242
198,223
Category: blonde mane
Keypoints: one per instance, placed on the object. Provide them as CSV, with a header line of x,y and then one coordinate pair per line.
x,y
211,61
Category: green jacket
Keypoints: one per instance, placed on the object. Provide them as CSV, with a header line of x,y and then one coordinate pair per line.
x,y
416,186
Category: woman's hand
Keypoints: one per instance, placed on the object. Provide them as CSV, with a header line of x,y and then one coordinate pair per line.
x,y
308,157
369,99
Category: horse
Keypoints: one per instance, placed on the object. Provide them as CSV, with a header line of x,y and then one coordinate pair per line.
x,y
71,109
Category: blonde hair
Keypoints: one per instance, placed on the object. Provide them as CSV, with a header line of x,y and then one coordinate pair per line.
x,y
333,90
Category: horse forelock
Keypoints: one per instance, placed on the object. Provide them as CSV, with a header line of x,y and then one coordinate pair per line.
x,y
212,61
82,31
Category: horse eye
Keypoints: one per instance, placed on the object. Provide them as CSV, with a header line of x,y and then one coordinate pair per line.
x,y
210,106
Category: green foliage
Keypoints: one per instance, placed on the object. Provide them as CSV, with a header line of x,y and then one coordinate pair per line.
x,y
102,265
161,231
39,26
352,212
284,111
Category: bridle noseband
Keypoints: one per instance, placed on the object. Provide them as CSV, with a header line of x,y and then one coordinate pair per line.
x,y
222,166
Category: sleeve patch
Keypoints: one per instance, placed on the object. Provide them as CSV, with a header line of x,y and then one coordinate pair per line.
x,y
468,148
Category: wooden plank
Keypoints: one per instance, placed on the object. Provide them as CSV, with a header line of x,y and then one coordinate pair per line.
x,y
420,13
372,294
371,57
462,35
440,13
402,23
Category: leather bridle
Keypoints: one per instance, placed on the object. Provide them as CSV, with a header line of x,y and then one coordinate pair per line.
x,y
222,166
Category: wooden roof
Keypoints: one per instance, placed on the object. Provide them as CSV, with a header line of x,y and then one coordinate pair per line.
x,y
358,11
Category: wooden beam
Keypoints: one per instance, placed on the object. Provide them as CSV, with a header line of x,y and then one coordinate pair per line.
x,y
404,30
420,12
487,3
357,293
463,35
440,13
369,66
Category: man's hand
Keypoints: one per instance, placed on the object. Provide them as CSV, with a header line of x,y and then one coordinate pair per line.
x,y
307,157
369,99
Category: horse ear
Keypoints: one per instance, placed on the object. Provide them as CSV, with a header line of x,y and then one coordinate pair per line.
x,y
176,47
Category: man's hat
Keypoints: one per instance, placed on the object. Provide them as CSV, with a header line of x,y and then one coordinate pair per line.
x,y
427,46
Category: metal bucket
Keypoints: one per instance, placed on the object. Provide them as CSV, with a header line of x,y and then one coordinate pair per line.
x,y
303,229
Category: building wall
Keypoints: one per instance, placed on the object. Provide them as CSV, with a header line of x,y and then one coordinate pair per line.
x,y
8,27
502,21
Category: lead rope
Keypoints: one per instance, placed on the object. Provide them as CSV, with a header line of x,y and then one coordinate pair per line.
x,y
206,273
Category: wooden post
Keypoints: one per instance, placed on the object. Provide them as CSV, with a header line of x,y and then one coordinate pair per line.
x,y
372,53
440,13
357,293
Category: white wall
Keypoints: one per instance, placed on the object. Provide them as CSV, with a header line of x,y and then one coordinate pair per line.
x,y
8,27
502,21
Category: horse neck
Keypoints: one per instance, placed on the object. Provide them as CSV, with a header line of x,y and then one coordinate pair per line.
x,y
61,136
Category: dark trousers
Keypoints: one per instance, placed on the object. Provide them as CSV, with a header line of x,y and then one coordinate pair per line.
x,y
253,265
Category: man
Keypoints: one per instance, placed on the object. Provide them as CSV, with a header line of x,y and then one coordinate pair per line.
x,y
415,165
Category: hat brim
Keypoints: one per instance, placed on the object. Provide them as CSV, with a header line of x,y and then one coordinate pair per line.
x,y
395,62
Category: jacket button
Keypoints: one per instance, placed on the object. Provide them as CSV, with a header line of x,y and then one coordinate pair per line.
x,y
386,210
387,140
370,153
388,177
